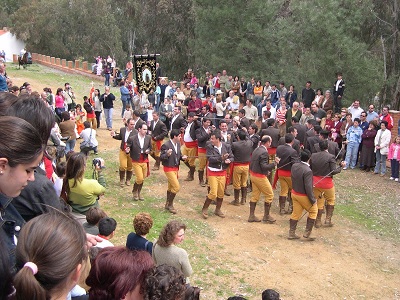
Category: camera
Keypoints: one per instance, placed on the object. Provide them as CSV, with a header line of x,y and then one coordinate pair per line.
x,y
98,163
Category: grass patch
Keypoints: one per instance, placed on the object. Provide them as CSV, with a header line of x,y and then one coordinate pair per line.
x,y
368,202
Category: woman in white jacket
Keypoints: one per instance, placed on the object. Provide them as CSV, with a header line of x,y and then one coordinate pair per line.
x,y
382,141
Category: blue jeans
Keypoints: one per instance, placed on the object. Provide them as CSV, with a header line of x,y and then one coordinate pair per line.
x,y
351,154
123,108
394,165
108,115
70,145
259,107
107,79
380,162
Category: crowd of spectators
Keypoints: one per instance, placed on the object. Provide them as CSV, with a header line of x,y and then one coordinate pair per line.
x,y
141,269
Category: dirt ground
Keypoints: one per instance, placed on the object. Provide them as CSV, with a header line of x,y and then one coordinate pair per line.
x,y
345,261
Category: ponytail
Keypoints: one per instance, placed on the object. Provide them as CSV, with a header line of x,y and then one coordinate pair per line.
x,y
27,285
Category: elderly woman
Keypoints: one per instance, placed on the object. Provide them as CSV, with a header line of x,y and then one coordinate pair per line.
x,y
326,103
367,158
165,251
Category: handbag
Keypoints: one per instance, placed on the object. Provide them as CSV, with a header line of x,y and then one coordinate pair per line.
x,y
86,146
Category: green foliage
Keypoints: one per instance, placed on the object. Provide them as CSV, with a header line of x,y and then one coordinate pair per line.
x,y
289,40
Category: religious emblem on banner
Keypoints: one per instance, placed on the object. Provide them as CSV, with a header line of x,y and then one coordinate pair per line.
x,y
145,71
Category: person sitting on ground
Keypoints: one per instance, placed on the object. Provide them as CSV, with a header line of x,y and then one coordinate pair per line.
x,y
142,224
165,250
107,228
51,253
118,273
82,193
164,282
93,217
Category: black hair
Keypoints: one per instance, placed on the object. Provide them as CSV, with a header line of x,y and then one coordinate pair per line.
x,y
270,122
241,134
270,295
217,134
107,226
305,155
323,145
174,133
289,138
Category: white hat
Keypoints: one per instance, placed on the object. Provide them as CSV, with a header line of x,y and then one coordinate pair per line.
x,y
219,92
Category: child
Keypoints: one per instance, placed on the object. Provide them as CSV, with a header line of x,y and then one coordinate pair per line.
x,y
394,156
107,228
58,180
79,114
127,113
93,217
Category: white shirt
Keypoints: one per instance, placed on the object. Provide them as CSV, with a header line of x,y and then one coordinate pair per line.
x,y
337,85
173,120
220,152
85,135
272,110
175,147
355,112
154,125
141,143
187,137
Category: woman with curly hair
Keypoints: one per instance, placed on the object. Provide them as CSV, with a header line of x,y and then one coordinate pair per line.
x,y
164,282
118,273
165,250
142,224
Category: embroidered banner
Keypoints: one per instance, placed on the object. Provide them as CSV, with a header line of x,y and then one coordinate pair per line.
x,y
145,71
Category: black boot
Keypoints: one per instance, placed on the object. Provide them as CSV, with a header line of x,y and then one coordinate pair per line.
x,y
282,202
167,201
249,187
157,164
244,195
329,214
121,178
318,222
218,211
139,190
236,194
252,217
292,230
290,201
128,178
267,217
190,176
135,192
201,179
309,227
171,208
204,211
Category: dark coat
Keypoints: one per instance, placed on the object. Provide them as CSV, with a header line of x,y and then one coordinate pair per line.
x,y
260,161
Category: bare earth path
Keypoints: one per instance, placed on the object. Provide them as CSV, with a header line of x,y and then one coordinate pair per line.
x,y
345,262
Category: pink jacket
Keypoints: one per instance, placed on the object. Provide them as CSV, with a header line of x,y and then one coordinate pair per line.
x,y
391,151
